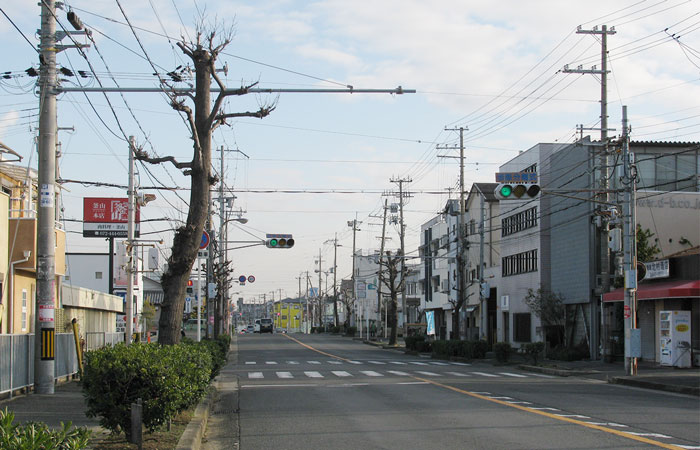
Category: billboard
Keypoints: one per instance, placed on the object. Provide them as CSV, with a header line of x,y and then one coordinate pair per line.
x,y
107,217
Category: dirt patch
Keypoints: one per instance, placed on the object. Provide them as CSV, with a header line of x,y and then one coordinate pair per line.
x,y
158,440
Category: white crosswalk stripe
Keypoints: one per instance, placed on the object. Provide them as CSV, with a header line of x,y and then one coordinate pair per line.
x,y
484,374
313,362
398,372
430,374
515,375
541,375
284,375
398,363
335,362
255,375
271,362
293,362
458,374
250,362
313,374
437,363
460,363
418,363
354,362
376,362
371,373
340,373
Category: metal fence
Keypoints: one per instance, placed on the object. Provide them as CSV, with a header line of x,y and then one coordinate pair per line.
x,y
99,339
17,358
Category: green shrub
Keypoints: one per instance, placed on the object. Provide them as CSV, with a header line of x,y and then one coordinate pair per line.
x,y
38,436
412,342
502,351
335,329
462,349
350,331
576,353
168,379
533,350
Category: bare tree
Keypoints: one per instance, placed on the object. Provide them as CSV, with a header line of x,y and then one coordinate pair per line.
x,y
202,121
390,275
550,308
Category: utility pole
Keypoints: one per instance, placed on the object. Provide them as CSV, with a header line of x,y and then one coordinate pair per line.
x,y
320,296
354,223
45,331
335,281
602,173
461,282
402,233
380,274
632,333
306,294
131,257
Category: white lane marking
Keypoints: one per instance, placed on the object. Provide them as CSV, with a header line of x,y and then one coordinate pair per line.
x,y
656,435
400,363
573,416
255,375
413,382
546,409
313,374
354,362
541,375
293,362
398,372
271,362
484,374
609,424
251,362
334,362
502,398
519,403
430,374
313,362
278,385
482,393
284,374
516,375
347,385
371,373
457,374
437,363
689,447
340,373
418,363
376,362
459,363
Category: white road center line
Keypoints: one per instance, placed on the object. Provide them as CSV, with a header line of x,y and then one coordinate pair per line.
x,y
371,373
573,416
656,435
255,375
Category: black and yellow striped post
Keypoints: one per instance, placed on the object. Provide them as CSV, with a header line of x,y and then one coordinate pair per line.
x,y
48,344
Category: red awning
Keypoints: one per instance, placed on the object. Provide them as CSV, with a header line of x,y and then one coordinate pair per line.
x,y
664,289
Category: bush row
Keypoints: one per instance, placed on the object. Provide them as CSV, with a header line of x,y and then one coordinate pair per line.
x,y
167,378
447,349
38,436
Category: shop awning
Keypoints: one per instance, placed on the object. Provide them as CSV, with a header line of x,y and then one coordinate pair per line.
x,y
665,289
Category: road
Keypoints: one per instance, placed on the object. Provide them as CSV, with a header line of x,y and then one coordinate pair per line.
x,y
321,391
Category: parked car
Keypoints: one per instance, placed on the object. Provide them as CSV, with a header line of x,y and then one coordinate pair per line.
x,y
257,325
266,326
250,329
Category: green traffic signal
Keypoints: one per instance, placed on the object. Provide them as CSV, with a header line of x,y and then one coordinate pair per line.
x,y
506,190
273,242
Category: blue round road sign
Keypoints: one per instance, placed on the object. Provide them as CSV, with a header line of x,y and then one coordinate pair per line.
x,y
205,241
241,279
251,279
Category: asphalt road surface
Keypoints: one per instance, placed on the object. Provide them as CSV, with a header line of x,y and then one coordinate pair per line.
x,y
330,392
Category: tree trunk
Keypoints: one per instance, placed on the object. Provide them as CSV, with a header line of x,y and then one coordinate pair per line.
x,y
187,238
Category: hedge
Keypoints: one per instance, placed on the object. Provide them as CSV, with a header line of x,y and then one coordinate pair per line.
x,y
38,436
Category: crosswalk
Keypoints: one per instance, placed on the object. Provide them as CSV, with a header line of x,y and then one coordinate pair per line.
x,y
256,375
337,362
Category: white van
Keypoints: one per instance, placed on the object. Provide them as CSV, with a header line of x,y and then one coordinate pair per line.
x,y
257,326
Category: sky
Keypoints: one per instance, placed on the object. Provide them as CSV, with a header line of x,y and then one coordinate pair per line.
x,y
325,159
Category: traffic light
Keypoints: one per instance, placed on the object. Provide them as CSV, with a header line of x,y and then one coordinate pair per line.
x,y
279,241
517,191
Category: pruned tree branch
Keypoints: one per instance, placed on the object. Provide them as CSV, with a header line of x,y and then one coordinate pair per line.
x,y
141,155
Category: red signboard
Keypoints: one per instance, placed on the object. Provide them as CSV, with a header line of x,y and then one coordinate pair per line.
x,y
107,217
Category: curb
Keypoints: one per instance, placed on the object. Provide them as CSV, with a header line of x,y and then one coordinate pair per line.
x,y
192,436
688,390
554,371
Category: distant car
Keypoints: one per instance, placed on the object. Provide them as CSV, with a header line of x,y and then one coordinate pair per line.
x,y
257,325
250,329
265,326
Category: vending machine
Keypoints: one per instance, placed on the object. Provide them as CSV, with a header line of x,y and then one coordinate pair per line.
x,y
674,328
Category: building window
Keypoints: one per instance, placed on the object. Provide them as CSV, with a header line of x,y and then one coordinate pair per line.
x,y
24,310
521,322
519,263
519,222
98,275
